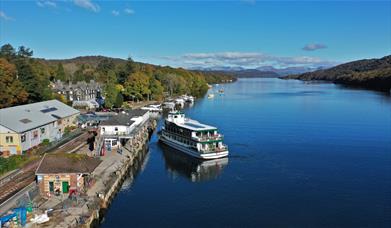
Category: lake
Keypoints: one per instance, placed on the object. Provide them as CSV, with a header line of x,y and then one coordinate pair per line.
x,y
301,155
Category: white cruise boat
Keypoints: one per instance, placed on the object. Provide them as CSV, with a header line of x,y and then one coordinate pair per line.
x,y
192,137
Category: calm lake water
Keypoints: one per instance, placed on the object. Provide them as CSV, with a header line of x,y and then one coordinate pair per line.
x,y
301,155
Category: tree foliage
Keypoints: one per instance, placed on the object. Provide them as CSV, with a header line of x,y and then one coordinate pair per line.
x,y
12,91
368,73
26,79
60,73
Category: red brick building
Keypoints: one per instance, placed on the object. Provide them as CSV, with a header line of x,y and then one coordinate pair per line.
x,y
64,173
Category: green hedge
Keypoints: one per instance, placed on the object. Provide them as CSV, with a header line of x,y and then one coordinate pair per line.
x,y
11,163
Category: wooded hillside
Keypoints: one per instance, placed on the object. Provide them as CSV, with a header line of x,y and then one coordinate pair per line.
x,y
24,79
368,73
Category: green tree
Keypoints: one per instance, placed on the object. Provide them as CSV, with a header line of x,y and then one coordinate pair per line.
x,y
119,100
124,70
7,52
35,82
60,72
25,52
111,94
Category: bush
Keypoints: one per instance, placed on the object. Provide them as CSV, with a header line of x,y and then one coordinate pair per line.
x,y
45,142
67,130
11,163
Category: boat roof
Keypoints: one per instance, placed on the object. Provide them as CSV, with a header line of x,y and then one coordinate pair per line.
x,y
195,125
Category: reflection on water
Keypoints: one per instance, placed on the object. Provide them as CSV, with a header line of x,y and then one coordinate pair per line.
x,y
301,155
194,169
140,163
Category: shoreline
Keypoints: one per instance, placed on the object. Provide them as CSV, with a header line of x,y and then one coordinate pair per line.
x,y
89,209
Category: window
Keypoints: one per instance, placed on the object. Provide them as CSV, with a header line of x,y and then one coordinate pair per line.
x,y
9,139
35,134
42,130
116,129
23,138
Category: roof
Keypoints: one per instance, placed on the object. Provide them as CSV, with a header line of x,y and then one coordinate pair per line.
x,y
136,112
118,120
195,125
26,117
124,119
67,163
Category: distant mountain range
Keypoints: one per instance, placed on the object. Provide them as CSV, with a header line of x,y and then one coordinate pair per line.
x,y
368,73
260,72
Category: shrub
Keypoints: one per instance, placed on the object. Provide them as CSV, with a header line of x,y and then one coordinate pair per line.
x,y
11,163
45,142
67,130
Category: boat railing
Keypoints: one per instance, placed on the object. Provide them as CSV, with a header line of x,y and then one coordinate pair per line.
x,y
215,149
206,138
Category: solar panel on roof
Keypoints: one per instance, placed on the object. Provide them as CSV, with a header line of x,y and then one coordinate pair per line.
x,y
25,121
49,110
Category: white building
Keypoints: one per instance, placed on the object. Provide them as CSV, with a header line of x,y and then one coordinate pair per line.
x,y
122,125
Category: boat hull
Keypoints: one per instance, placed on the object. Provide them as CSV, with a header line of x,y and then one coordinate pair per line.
x,y
192,152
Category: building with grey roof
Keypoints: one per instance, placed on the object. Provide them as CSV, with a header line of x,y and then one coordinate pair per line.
x,y
25,126
122,125
64,173
79,91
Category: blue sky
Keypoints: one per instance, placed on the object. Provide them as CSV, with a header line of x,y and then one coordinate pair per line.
x,y
202,33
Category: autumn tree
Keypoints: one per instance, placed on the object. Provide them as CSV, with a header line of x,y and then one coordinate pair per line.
x,y
156,89
137,86
12,92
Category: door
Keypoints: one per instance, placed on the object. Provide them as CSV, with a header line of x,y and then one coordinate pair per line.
x,y
65,187
51,186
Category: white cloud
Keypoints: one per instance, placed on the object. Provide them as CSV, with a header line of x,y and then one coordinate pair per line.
x,y
245,59
129,11
46,3
313,47
87,4
4,16
115,12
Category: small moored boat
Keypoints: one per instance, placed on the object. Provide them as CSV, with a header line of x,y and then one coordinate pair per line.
x,y
211,96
